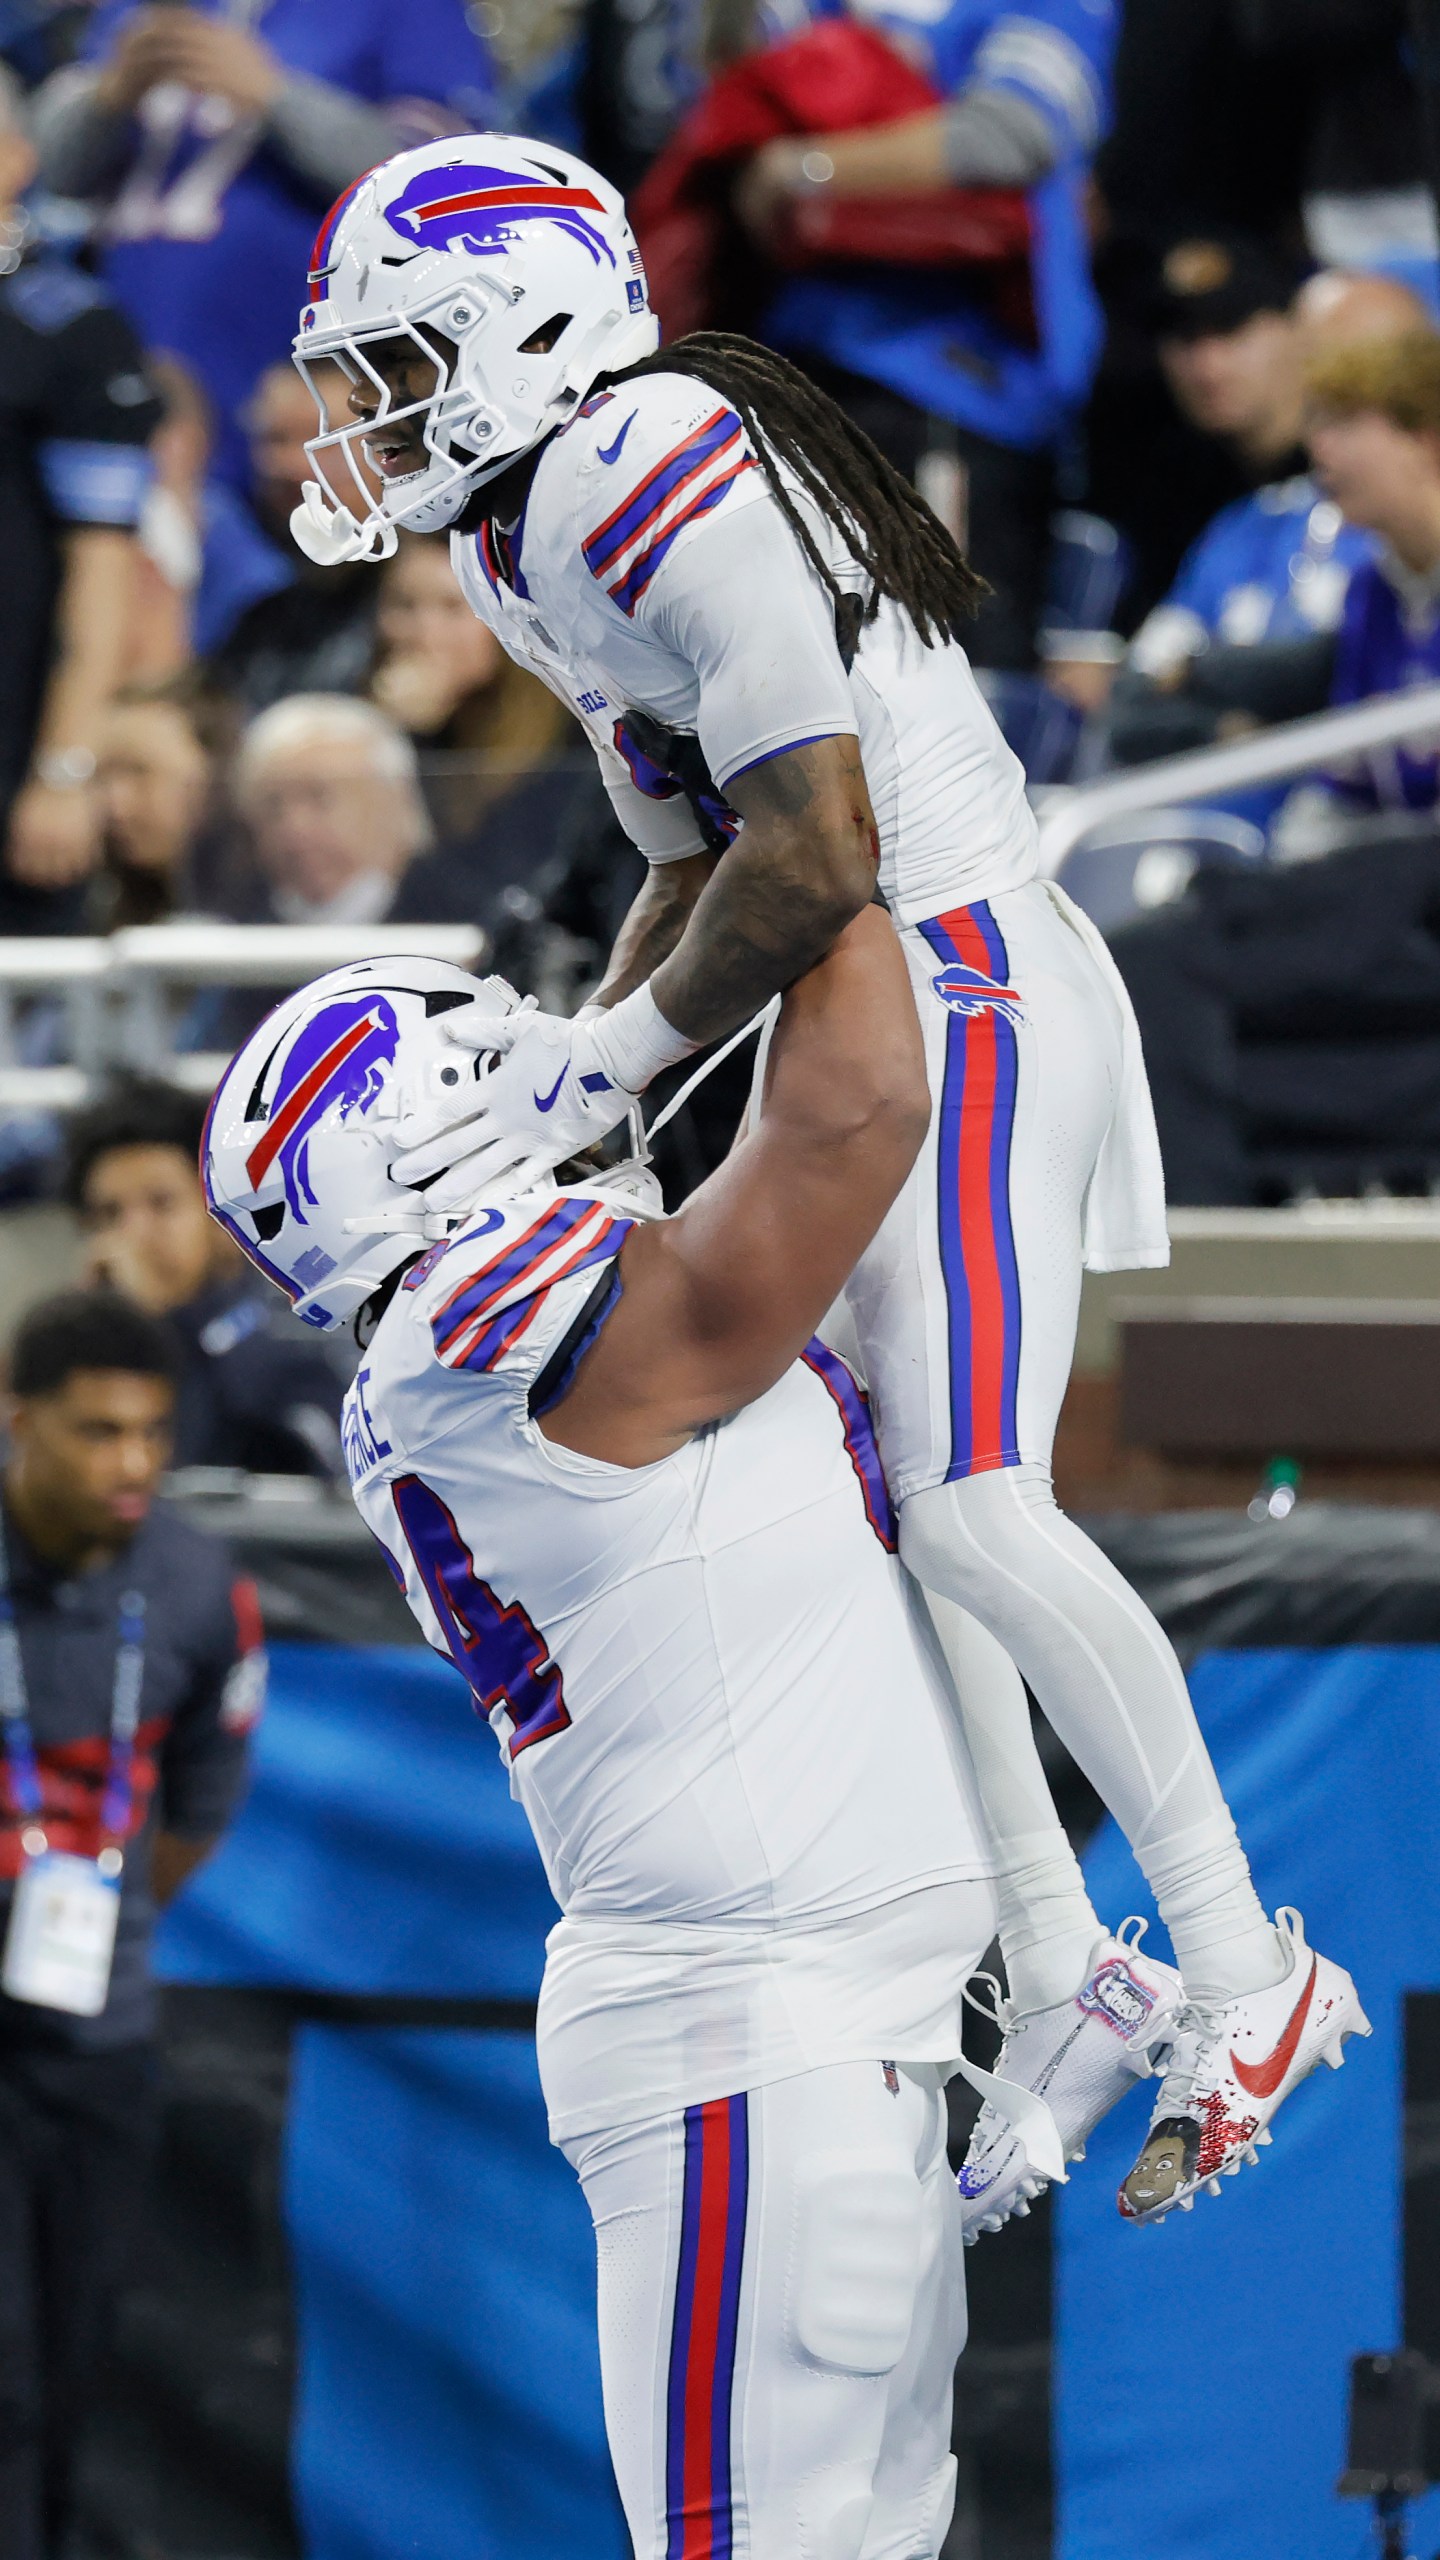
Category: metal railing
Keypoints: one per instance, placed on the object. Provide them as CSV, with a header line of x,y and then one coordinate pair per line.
x,y
1273,755
119,997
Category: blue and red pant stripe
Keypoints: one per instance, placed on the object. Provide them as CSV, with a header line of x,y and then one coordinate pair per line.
x,y
977,1236
699,2488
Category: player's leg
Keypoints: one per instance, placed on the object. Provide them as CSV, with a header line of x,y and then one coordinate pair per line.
x,y
761,2264
966,1311
1027,1097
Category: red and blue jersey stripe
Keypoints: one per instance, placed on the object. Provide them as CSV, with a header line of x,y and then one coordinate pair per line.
x,y
853,1407
625,551
699,2487
473,1329
976,1125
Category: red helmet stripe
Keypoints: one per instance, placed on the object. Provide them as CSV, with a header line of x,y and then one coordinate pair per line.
x,y
262,1156
477,198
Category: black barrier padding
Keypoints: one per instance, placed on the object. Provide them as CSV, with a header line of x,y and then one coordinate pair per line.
x,y
1333,1573
1420,2251
188,2455
320,1575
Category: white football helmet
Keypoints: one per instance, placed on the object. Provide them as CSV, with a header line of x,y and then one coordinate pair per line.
x,y
512,268
308,1118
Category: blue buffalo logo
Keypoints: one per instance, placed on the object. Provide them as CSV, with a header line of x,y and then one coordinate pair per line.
x,y
340,1057
483,210
967,990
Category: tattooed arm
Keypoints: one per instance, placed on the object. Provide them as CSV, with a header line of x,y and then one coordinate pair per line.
x,y
654,925
716,942
802,868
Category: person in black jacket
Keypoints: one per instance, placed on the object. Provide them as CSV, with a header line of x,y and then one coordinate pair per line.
x,y
255,1390
135,1676
77,410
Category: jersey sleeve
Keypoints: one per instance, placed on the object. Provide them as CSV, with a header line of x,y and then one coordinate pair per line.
x,y
97,414
741,604
650,805
1057,56
507,1310
685,537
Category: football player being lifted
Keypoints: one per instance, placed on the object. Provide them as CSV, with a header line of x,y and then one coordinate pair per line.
x,y
757,621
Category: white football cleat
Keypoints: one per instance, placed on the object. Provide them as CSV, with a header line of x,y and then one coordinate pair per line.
x,y
1233,2062
1080,2056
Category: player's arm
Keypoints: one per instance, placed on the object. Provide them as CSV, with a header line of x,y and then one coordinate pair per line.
x,y
661,911
803,866
717,1301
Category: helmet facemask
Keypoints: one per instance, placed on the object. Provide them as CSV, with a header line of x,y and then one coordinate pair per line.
x,y
455,427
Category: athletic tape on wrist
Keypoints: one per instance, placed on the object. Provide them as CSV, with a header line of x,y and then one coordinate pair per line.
x,y
633,1041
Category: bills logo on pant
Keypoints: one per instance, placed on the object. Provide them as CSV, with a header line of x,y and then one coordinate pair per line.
x,y
967,990
481,209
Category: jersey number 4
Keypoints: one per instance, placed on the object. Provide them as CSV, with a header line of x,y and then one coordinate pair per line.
x,y
493,1642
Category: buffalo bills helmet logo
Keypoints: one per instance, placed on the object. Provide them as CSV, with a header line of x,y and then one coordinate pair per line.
x,y
482,210
339,1057
967,990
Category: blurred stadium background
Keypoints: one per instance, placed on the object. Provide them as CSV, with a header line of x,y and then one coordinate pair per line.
x,y
1188,419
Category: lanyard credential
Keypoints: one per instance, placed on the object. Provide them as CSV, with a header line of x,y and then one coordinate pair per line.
x,y
115,1803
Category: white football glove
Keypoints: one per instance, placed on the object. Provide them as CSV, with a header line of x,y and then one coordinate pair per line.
x,y
546,1099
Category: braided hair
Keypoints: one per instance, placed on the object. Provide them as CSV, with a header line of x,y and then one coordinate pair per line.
x,y
903,548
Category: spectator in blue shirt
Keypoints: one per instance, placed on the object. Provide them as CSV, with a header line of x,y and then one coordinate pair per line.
x,y
1247,631
1291,1017
210,149
1027,93
1375,435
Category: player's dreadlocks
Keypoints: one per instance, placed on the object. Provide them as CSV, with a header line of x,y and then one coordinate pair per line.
x,y
904,550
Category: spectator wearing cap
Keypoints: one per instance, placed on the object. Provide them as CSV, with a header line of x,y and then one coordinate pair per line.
x,y
77,408
136,1676
1246,635
210,148
254,1389
1199,400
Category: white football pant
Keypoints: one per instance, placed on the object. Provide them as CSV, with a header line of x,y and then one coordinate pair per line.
x,y
781,2303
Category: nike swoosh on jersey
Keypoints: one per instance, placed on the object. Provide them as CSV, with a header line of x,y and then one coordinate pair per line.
x,y
547,1101
611,452
1262,2079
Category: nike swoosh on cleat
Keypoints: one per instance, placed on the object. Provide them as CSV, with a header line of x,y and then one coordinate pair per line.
x,y
547,1101
1262,2079
611,452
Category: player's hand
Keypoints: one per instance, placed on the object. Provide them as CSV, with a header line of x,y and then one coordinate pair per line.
x,y
53,838
545,1098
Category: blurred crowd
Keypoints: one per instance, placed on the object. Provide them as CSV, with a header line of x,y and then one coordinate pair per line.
x,y
1143,294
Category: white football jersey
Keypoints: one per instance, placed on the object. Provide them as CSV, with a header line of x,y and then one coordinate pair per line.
x,y
706,1675
652,571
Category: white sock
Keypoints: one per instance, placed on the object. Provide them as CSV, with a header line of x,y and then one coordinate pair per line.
x,y
1223,1942
1048,1928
